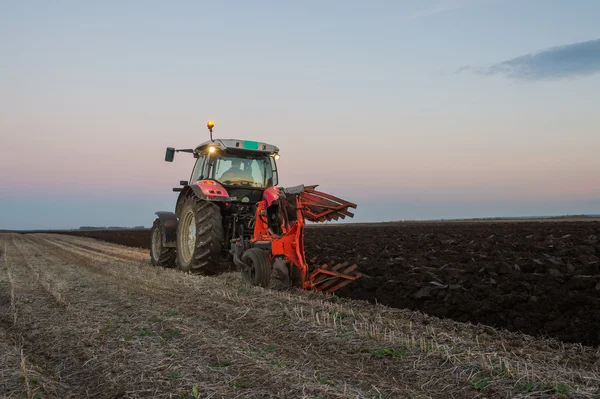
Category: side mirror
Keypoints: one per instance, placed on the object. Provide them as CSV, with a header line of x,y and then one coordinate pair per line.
x,y
183,182
170,154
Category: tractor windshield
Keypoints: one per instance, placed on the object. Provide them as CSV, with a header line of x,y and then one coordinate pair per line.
x,y
238,170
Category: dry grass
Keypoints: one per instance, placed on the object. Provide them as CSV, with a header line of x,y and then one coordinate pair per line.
x,y
12,362
44,281
25,373
138,331
13,307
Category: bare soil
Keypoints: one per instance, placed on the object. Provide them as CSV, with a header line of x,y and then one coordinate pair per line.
x,y
537,278
86,318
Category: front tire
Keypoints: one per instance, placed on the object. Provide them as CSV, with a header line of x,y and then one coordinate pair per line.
x,y
199,236
259,267
159,255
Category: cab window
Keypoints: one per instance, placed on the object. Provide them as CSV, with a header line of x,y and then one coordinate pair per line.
x,y
199,169
243,171
275,180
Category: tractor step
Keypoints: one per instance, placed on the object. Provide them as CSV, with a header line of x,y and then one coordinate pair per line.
x,y
331,278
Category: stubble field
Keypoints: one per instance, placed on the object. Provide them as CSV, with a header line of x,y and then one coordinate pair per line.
x,y
86,318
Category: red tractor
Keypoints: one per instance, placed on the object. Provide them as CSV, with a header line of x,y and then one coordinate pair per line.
x,y
231,209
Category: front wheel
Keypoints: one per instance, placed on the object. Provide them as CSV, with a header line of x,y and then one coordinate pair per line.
x,y
160,255
259,267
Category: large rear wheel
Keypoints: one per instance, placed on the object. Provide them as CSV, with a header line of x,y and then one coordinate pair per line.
x,y
199,236
259,267
159,255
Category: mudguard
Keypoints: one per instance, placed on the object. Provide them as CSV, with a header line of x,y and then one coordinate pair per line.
x,y
168,221
202,191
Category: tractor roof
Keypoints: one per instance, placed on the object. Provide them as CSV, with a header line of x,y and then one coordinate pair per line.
x,y
238,145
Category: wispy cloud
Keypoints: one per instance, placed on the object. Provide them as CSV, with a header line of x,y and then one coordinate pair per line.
x,y
442,7
425,12
572,60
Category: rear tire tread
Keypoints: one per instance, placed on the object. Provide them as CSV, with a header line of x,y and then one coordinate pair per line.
x,y
209,237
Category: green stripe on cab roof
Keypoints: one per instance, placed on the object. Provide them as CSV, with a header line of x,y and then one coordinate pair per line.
x,y
250,145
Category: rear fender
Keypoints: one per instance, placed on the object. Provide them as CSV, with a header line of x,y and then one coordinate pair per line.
x,y
168,222
202,190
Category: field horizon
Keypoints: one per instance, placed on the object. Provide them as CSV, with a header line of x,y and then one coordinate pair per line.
x,y
575,218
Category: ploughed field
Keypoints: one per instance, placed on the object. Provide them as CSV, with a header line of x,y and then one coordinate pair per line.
x,y
537,278
540,278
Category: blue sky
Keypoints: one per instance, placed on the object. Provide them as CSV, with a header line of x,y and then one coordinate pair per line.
x,y
412,109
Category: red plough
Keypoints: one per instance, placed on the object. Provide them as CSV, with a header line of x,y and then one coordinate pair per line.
x,y
294,206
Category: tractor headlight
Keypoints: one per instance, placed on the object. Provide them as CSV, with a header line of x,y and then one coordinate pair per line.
x,y
211,149
276,156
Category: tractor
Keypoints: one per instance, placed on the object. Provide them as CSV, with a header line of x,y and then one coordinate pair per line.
x,y
232,210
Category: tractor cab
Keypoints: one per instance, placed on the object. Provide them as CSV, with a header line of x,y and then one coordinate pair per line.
x,y
236,163
244,168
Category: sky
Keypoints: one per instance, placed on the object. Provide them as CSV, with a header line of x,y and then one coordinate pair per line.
x,y
413,109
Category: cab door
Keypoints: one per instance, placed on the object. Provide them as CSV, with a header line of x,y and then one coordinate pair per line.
x,y
200,169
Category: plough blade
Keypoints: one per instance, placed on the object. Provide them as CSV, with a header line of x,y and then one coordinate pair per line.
x,y
331,278
321,207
